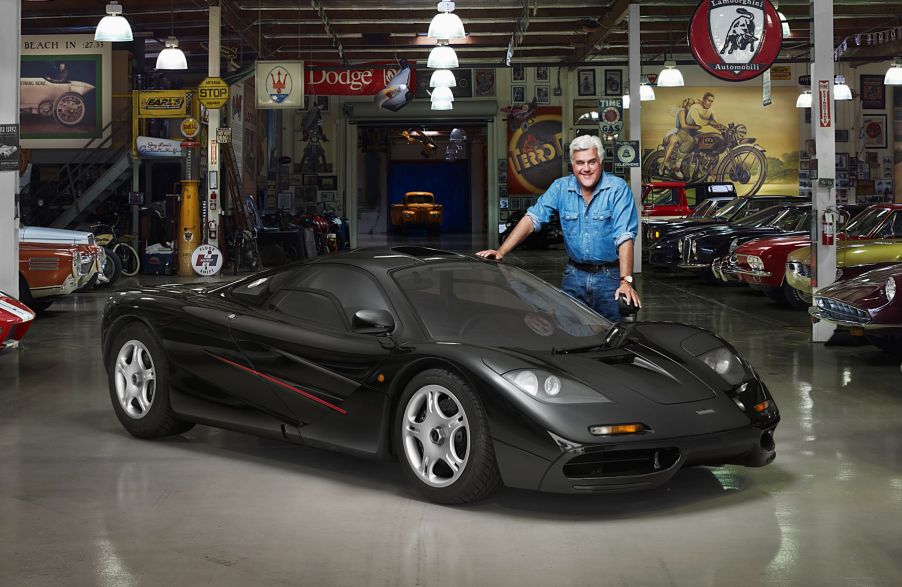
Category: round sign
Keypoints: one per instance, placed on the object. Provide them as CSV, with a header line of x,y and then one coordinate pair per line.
x,y
626,153
278,84
610,120
190,127
213,92
735,40
206,260
535,153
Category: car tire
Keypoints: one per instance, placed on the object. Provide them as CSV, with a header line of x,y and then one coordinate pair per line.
x,y
139,384
112,268
443,441
793,297
69,109
37,305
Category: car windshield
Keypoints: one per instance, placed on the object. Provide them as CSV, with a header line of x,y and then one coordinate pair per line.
x,y
419,199
732,208
660,196
795,218
762,218
492,304
866,222
707,208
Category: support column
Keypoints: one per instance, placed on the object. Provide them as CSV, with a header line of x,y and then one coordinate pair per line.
x,y
10,19
823,116
213,202
635,76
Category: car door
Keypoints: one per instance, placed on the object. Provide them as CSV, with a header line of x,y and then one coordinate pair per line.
x,y
301,339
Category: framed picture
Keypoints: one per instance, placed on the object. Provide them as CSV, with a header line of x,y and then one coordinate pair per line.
x,y
518,74
504,215
542,73
586,131
613,82
310,179
543,94
873,92
504,203
483,82
586,82
322,103
328,182
518,94
327,196
585,112
842,161
873,131
842,136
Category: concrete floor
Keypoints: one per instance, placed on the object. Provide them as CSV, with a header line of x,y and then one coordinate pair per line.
x,y
83,503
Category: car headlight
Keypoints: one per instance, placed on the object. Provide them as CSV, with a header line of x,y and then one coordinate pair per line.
x,y
549,388
755,262
890,289
725,363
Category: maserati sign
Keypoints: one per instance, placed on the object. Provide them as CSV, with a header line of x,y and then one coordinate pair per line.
x,y
735,40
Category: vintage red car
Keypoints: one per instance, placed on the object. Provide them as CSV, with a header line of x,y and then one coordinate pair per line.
x,y
15,320
675,199
870,305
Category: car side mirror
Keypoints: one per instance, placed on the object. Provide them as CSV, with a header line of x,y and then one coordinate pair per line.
x,y
373,322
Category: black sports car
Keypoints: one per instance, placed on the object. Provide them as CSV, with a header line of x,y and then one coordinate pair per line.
x,y
470,372
549,234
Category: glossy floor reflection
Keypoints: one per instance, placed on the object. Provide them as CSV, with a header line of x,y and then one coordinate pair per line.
x,y
83,503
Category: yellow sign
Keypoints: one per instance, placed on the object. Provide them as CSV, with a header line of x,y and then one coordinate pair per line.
x,y
213,92
780,73
163,104
190,127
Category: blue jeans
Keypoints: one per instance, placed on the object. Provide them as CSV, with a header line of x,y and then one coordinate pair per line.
x,y
596,290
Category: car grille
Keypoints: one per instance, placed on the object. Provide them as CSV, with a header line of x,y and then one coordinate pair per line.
x,y
841,311
621,463
686,249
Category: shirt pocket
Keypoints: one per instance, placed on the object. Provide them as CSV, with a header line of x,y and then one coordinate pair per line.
x,y
570,223
601,223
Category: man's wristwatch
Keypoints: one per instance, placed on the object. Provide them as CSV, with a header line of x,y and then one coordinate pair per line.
x,y
627,278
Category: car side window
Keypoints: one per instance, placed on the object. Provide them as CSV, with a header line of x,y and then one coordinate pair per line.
x,y
311,306
353,288
896,226
691,196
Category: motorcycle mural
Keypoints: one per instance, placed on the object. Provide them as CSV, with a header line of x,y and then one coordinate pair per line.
x,y
722,153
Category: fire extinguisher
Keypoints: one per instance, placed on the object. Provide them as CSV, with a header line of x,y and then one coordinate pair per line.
x,y
828,231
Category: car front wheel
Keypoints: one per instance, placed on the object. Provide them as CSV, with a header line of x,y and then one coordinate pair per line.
x,y
139,385
443,439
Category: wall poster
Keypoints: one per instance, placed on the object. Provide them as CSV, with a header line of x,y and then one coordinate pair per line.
x,y
534,152
64,91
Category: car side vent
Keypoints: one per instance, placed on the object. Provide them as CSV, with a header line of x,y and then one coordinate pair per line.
x,y
424,252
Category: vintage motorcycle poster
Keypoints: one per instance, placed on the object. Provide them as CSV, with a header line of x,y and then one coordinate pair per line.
x,y
64,90
734,137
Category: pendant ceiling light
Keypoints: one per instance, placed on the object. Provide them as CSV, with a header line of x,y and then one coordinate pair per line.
x,y
784,24
442,94
446,25
172,57
442,57
804,100
442,78
442,105
113,27
646,92
893,75
840,90
670,76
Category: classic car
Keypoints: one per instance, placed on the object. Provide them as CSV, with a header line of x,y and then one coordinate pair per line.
x,y
868,305
15,320
8,150
47,271
676,199
418,208
106,273
761,262
549,234
64,101
471,373
737,209
881,247
695,248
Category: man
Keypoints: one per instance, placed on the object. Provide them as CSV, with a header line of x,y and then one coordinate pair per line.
x,y
599,221
700,114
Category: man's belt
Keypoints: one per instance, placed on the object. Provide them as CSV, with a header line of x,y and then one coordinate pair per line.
x,y
592,267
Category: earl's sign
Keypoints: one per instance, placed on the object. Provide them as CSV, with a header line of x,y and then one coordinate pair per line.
x,y
735,40
213,92
162,104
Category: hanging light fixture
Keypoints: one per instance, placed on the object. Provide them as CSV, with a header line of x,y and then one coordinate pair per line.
x,y
442,78
442,94
442,57
646,92
626,101
446,25
840,90
784,23
804,100
113,27
171,57
670,76
893,75
442,105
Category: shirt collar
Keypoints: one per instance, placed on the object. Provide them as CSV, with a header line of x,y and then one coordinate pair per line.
x,y
603,183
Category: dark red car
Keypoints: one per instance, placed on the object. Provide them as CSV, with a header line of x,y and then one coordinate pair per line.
x,y
675,199
870,305
15,320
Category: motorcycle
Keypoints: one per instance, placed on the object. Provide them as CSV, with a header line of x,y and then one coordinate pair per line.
x,y
723,155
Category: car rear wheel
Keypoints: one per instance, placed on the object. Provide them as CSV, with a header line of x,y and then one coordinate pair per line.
x,y
794,297
443,440
139,385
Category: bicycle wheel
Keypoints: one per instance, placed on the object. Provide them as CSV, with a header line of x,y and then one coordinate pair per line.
x,y
127,254
746,167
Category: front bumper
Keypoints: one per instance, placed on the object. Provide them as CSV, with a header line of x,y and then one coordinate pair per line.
x,y
633,465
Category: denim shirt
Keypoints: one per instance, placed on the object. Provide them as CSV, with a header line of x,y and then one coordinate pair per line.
x,y
593,231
